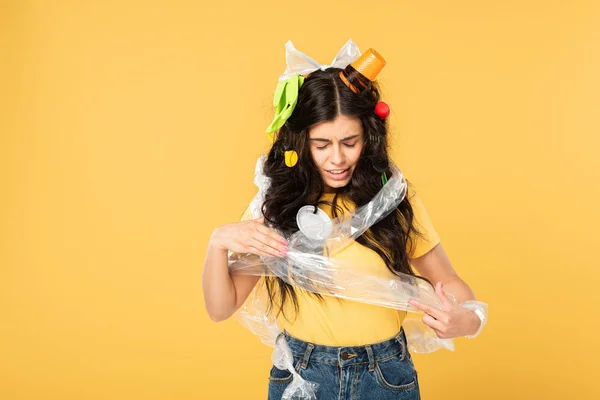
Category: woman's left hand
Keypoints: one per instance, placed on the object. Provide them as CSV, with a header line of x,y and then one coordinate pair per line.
x,y
449,321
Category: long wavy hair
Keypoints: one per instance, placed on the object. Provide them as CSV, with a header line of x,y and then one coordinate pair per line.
x,y
322,97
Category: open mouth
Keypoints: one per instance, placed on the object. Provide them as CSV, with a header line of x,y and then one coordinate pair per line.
x,y
338,174
337,171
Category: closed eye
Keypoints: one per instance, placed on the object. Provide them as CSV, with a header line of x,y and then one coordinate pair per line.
x,y
347,145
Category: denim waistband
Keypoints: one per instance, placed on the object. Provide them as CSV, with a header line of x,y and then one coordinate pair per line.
x,y
347,355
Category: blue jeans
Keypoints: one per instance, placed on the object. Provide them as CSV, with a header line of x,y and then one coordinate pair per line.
x,y
381,371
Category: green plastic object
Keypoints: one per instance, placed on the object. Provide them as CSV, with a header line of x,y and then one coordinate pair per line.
x,y
285,100
383,178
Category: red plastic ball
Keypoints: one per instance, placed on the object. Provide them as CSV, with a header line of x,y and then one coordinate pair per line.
x,y
382,110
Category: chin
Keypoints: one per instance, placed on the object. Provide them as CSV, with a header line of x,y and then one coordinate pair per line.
x,y
338,184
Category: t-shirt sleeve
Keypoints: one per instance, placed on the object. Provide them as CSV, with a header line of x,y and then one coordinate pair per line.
x,y
247,215
421,245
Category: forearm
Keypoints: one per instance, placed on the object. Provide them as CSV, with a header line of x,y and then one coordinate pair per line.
x,y
459,289
217,285
463,293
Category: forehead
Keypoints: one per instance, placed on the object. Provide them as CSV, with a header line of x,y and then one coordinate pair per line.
x,y
342,126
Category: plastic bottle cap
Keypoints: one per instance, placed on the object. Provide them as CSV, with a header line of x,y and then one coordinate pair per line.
x,y
314,226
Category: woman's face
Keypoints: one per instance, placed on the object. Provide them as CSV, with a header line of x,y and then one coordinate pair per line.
x,y
335,147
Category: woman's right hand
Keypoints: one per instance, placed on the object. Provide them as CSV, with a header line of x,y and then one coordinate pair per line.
x,y
250,236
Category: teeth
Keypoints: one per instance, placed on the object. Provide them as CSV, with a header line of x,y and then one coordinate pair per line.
x,y
337,171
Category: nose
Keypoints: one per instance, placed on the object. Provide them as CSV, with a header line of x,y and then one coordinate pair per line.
x,y
338,155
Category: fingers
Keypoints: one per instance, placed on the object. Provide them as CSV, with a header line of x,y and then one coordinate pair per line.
x,y
268,246
434,311
436,318
272,235
441,295
259,251
262,240
268,241
433,323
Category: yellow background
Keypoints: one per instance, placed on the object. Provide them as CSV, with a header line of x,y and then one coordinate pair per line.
x,y
129,130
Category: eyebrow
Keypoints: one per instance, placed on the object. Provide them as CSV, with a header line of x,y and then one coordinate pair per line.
x,y
327,140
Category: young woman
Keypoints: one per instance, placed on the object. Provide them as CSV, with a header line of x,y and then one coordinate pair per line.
x,y
351,349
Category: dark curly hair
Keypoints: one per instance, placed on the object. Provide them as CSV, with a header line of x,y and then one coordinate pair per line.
x,y
323,97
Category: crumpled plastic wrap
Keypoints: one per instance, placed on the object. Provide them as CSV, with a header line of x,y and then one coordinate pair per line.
x,y
311,264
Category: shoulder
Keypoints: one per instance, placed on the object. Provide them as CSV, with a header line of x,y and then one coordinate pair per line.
x,y
423,223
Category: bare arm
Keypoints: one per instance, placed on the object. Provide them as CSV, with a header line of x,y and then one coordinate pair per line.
x,y
435,266
224,293
450,320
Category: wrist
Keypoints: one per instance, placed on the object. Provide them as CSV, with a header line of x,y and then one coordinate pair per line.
x,y
215,241
476,322
480,310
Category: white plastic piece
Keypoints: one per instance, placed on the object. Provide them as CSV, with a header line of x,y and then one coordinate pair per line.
x,y
314,223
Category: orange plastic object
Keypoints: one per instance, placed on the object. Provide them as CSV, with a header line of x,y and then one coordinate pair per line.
x,y
369,64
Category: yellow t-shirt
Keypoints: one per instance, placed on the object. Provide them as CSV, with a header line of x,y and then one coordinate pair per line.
x,y
339,322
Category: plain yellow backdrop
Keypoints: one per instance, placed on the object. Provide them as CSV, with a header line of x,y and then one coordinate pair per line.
x,y
129,130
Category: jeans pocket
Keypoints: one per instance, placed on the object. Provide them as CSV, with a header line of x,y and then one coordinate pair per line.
x,y
396,373
283,376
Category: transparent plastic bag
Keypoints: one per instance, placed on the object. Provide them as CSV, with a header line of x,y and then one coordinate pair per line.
x,y
298,63
311,265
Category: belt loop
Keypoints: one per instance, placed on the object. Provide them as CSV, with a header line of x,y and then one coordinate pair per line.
x,y
371,358
400,339
281,334
309,349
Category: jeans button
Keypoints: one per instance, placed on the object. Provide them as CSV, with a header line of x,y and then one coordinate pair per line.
x,y
344,355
